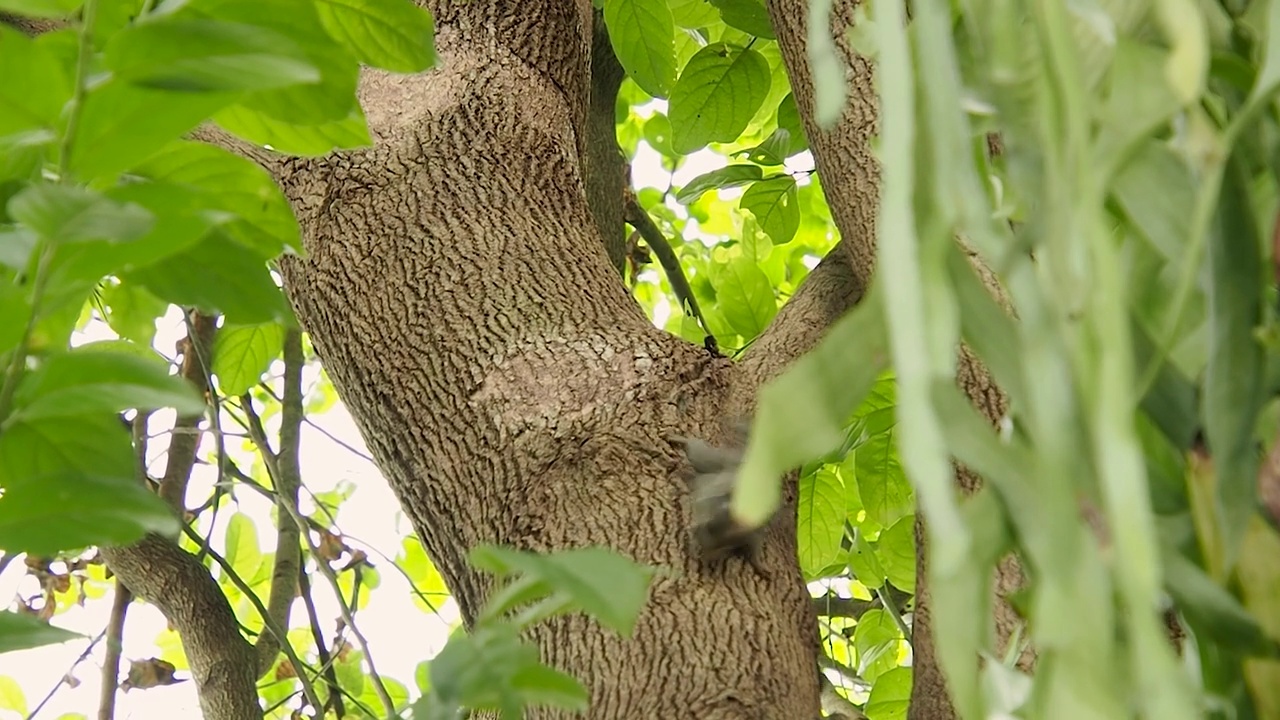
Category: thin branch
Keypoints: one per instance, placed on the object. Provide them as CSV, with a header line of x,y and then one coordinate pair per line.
x,y
836,705
185,440
270,622
259,436
330,677
892,608
63,680
830,605
638,218
288,558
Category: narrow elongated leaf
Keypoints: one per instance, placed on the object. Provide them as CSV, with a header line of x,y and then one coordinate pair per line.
x,y
643,36
389,34
802,413
606,585
717,94
722,179
1235,377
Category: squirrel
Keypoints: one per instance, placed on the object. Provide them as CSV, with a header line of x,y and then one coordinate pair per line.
x,y
716,535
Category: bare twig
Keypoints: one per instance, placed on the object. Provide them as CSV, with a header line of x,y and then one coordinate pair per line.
x,y
63,680
637,217
258,433
288,558
831,605
330,677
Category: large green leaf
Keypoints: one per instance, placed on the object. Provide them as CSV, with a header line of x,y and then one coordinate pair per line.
x,y
72,214
242,353
890,695
89,445
774,203
219,275
643,36
305,140
389,34
730,176
189,55
71,510
35,88
749,16
717,94
745,295
820,520
85,382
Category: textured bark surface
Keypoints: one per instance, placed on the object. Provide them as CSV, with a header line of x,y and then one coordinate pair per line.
x,y
459,295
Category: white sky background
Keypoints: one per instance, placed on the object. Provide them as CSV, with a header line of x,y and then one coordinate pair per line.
x,y
399,635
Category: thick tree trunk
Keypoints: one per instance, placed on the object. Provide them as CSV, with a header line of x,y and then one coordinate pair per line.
x,y
459,295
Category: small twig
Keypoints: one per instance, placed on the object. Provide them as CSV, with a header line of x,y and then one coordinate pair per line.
x,y
307,688
331,677
63,680
637,217
831,605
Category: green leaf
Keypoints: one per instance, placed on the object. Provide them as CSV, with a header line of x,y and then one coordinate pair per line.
x,y
11,697
72,214
876,638
217,275
350,133
243,552
1234,384
865,564
41,8
890,695
21,632
1212,610
717,94
722,179
802,413
242,353
89,444
177,54
35,88
746,296
132,311
789,120
389,34
896,548
820,520
749,16
15,309
123,124
604,584
542,685
237,185
693,14
776,207
332,98
886,495
87,382
70,510
773,151
643,36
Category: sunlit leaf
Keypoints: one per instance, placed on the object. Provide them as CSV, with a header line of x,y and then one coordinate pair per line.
x,y
242,353
718,93
20,632
389,34
643,36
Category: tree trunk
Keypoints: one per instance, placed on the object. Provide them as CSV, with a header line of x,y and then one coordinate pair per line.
x,y
459,294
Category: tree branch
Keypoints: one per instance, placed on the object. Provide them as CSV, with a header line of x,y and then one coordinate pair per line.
x,y
185,440
637,217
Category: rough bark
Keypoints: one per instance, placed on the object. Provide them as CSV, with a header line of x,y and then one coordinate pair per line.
x,y
458,292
